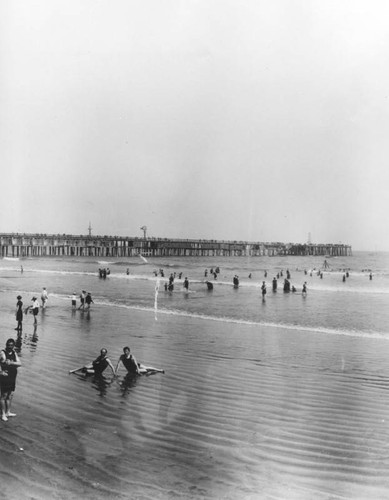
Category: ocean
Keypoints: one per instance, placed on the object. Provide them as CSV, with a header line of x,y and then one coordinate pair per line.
x,y
282,398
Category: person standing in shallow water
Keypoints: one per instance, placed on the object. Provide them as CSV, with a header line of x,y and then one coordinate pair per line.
x,y
35,309
263,288
19,313
82,300
9,363
88,300
44,297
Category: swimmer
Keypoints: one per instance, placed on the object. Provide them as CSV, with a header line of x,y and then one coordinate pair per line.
x,y
98,366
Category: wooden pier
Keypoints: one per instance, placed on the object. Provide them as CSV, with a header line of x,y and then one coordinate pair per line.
x,y
44,245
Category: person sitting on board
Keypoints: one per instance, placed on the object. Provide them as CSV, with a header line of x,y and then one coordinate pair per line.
x,y
99,364
132,366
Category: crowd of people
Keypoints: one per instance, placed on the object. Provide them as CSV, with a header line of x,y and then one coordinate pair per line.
x,y
10,362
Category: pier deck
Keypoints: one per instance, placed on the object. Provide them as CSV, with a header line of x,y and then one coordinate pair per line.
x,y
44,245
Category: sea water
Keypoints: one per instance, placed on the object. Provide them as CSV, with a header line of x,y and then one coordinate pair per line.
x,y
282,397
356,306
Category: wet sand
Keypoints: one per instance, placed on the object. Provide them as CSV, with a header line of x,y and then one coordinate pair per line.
x,y
242,412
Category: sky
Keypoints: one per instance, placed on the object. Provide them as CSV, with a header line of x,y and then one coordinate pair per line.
x,y
244,120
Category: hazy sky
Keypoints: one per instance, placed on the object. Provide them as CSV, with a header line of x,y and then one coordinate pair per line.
x,y
244,120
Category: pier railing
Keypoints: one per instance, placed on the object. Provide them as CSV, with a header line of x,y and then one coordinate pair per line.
x,y
45,245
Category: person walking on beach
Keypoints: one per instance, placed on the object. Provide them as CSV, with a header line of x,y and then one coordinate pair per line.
x,y
19,313
9,363
35,309
44,297
99,364
88,300
82,300
129,362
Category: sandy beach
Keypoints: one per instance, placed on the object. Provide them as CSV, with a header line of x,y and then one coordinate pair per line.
x,y
286,404
241,412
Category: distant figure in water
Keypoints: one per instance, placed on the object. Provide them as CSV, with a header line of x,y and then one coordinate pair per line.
x,y
294,289
21,269
74,301
274,284
186,284
250,276
128,271
235,281
44,297
205,273
370,276
99,364
344,278
263,288
209,285
305,288
88,300
82,300
286,286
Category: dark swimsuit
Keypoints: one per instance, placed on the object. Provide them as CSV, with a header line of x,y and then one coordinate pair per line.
x,y
99,365
19,312
7,383
129,364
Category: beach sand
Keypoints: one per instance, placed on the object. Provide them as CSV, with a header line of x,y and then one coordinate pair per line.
x,y
242,412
